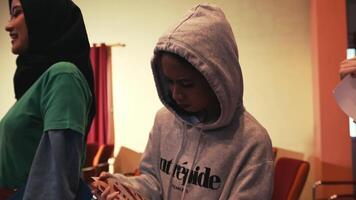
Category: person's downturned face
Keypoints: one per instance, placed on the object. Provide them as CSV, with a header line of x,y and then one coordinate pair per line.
x,y
188,87
17,28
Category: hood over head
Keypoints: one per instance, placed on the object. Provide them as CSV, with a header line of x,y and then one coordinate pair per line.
x,y
205,39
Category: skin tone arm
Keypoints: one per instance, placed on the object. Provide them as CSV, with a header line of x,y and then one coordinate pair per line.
x,y
348,66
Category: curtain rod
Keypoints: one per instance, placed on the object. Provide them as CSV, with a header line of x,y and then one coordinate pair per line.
x,y
117,45
111,45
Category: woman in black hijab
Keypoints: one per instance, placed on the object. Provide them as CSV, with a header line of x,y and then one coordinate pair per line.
x,y
43,136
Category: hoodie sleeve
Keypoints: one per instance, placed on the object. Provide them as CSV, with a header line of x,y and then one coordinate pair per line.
x,y
148,182
254,183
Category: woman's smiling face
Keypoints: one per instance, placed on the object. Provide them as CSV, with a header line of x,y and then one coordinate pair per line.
x,y
17,28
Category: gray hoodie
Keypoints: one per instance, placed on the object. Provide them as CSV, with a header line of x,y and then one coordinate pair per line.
x,y
230,158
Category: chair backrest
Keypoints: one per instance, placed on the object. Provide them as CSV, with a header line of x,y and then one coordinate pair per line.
x,y
127,161
289,178
91,150
105,152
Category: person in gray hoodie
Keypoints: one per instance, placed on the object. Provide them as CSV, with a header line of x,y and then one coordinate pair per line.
x,y
203,144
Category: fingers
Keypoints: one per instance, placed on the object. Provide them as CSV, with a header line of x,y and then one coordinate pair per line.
x,y
105,193
95,190
350,60
348,66
114,196
105,175
345,71
104,188
93,185
99,187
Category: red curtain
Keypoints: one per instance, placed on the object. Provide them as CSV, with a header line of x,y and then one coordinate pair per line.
x,y
101,131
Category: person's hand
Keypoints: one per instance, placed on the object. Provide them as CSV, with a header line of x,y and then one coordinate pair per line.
x,y
108,187
105,175
109,195
348,66
100,185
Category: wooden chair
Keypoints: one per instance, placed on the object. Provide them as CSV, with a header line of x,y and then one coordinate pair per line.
x,y
127,161
289,178
334,184
88,169
91,151
105,152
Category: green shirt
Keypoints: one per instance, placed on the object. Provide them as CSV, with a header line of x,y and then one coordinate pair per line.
x,y
59,99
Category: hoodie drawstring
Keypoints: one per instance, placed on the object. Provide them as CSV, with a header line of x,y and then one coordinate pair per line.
x,y
176,159
193,164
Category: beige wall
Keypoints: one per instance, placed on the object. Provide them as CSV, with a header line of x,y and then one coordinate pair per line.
x,y
7,60
274,46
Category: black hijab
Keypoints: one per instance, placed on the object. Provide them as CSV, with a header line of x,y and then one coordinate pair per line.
x,y
56,32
